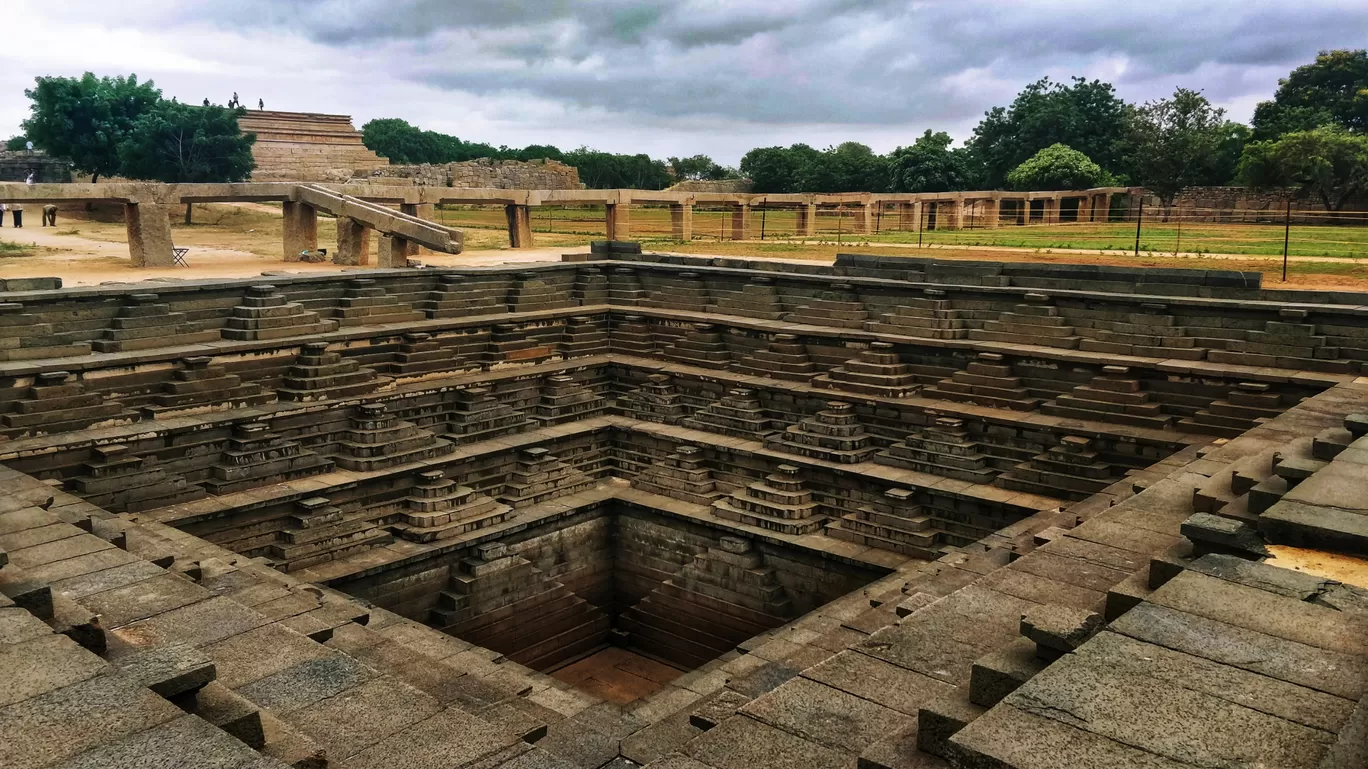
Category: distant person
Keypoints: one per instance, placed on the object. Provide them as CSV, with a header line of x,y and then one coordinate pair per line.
x,y
206,101
49,215
17,211
235,103
3,208
261,104
29,180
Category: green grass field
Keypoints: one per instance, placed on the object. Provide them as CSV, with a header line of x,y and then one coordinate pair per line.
x,y
1156,237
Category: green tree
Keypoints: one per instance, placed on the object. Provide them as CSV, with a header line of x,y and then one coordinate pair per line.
x,y
1087,116
16,143
1058,167
181,144
776,169
1331,90
86,119
929,165
539,152
700,167
1327,163
605,170
1181,142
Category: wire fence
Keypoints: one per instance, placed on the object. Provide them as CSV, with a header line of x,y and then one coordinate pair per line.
x,y
1040,225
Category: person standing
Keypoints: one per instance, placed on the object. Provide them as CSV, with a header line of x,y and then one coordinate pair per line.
x,y
17,211
206,101
261,105
3,208
49,215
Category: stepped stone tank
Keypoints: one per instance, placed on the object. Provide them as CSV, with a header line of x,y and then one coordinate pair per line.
x,y
684,513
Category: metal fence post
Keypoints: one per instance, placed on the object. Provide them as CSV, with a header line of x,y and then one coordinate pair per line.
x,y
1139,215
1287,232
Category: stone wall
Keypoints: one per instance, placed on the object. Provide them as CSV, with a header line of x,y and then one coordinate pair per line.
x,y
16,165
741,186
1243,204
482,173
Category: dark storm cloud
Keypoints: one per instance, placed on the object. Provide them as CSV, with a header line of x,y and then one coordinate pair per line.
x,y
886,63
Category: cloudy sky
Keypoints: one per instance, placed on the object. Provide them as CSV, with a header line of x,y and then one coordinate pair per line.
x,y
668,77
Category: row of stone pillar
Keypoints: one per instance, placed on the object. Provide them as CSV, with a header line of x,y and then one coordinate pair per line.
x,y
300,234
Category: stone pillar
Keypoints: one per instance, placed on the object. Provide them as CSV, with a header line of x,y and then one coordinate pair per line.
x,y
867,220
1050,213
300,229
948,214
519,226
807,220
1105,214
681,221
149,234
917,216
993,212
392,251
740,222
353,242
618,217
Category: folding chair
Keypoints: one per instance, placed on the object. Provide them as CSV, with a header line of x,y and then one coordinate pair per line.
x,y
178,257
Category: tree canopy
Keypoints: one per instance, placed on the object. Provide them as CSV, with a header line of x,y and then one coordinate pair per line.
x,y
1327,163
86,119
699,167
1058,167
1181,142
929,165
1086,115
1333,89
178,143
605,170
15,143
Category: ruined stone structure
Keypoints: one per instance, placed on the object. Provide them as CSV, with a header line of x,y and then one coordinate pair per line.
x,y
482,173
16,165
555,516
306,147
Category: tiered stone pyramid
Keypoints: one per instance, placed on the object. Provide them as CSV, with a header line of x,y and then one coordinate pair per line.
x,y
457,296
145,322
56,403
319,374
835,435
1072,467
785,358
317,531
438,508
582,336
632,336
658,400
738,414
531,292
266,314
376,439
624,287
934,317
539,476
1249,404
24,337
988,381
1114,396
419,354
1035,322
702,345
941,448
199,385
839,306
680,475
256,456
509,344
779,503
757,298
680,291
591,287
564,399
477,416
119,481
365,303
878,370
895,522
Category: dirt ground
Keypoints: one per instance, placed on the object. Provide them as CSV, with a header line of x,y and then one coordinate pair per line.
x,y
244,240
